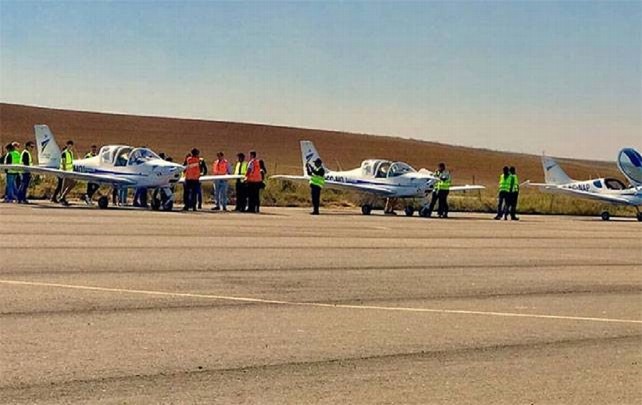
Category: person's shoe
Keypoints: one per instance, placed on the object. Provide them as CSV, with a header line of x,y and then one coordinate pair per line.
x,y
224,209
217,208
514,219
184,209
390,213
64,202
505,218
54,200
87,200
200,207
497,217
314,213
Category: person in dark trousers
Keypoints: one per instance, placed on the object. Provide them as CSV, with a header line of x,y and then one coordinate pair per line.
x,y
440,192
91,187
317,181
513,195
502,199
253,179
199,188
26,160
192,176
240,168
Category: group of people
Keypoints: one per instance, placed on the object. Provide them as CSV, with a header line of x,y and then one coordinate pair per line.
x,y
247,188
508,194
17,183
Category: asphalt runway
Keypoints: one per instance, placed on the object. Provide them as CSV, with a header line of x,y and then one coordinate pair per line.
x,y
128,306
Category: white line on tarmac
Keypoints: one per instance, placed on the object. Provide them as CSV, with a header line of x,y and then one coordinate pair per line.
x,y
316,304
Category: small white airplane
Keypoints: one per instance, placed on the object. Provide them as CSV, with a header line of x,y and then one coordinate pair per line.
x,y
377,177
119,165
608,190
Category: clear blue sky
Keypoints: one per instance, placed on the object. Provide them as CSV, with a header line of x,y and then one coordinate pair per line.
x,y
565,77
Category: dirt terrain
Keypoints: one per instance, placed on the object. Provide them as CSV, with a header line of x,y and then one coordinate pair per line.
x,y
277,145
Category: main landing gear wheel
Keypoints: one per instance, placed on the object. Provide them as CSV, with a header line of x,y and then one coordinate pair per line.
x,y
409,211
103,202
605,216
423,212
366,209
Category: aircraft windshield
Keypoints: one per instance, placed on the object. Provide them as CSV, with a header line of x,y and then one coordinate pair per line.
x,y
614,184
141,155
122,156
399,168
382,169
630,163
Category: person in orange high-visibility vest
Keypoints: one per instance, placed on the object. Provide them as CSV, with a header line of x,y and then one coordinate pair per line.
x,y
220,167
192,176
253,178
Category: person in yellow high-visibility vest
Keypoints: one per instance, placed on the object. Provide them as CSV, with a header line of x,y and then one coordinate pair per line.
x,y
67,164
25,180
240,168
12,158
513,195
440,192
317,181
504,188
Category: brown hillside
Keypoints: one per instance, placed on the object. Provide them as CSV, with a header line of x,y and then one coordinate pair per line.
x,y
277,145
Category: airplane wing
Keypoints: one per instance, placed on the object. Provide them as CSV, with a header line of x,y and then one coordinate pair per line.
x,y
88,177
359,187
215,177
466,188
554,189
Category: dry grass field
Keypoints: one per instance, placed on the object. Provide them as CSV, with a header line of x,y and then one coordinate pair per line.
x,y
278,146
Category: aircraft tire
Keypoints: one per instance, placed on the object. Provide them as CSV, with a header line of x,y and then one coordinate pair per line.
x,y
409,210
605,216
366,209
103,202
639,216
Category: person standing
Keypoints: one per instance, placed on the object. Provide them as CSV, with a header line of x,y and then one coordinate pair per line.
x,y
25,160
253,178
502,201
11,158
221,167
91,187
440,192
192,176
317,181
199,189
240,168
67,164
513,195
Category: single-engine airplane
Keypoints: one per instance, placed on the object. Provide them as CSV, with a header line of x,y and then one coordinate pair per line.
x,y
377,177
608,190
119,165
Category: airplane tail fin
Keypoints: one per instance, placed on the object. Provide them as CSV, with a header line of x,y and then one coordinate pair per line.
x,y
553,173
48,151
308,154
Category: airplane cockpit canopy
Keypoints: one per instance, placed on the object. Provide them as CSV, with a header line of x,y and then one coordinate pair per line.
x,y
141,155
121,155
384,168
629,161
614,184
399,168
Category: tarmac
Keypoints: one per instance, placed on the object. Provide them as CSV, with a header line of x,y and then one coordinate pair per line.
x,y
131,306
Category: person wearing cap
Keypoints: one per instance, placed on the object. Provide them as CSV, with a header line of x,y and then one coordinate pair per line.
x,y
25,179
240,168
220,167
67,164
317,181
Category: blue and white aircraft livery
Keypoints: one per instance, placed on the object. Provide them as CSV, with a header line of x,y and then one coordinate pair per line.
x,y
377,177
119,165
608,190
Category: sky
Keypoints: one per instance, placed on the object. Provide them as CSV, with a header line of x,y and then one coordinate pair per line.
x,y
524,76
